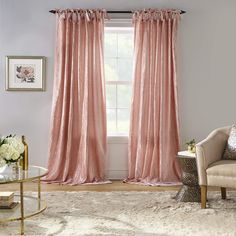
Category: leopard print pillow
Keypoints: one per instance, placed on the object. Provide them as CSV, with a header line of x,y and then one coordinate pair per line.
x,y
230,148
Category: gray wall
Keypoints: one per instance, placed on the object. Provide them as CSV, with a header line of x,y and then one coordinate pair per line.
x,y
207,63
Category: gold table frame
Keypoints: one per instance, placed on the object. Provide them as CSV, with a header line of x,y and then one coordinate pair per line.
x,y
41,204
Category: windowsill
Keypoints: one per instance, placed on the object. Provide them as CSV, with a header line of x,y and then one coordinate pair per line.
x,y
116,138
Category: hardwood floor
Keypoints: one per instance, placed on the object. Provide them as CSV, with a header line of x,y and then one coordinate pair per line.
x,y
116,185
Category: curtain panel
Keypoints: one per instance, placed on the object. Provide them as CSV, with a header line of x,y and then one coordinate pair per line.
x,y
78,122
154,129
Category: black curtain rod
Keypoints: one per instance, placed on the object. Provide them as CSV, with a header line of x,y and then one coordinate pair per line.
x,y
182,12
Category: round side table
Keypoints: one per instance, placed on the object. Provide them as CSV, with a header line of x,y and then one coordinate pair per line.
x,y
29,206
190,191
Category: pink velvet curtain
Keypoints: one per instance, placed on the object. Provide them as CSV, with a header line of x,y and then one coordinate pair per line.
x,y
154,131
78,125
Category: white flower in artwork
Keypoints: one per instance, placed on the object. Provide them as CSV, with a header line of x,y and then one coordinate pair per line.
x,y
25,73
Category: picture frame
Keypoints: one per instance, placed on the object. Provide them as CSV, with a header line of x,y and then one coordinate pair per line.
x,y
25,73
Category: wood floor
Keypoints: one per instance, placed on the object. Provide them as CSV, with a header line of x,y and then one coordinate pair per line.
x,y
116,185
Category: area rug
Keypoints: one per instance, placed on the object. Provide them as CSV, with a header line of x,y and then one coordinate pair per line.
x,y
129,213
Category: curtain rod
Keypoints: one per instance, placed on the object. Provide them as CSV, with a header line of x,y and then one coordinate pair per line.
x,y
54,11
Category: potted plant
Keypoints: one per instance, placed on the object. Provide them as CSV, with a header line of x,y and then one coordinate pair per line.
x,y
191,145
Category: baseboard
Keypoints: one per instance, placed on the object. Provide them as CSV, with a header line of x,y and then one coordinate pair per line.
x,y
117,174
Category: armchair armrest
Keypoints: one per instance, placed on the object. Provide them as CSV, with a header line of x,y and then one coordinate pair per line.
x,y
210,150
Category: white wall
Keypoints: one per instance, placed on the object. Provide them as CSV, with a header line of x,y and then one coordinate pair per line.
x,y
207,63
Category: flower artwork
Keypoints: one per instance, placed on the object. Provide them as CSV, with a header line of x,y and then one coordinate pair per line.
x,y
11,149
25,74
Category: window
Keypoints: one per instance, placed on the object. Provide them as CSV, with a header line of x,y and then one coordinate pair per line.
x,y
118,74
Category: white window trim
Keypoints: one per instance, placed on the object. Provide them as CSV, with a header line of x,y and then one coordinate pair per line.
x,y
118,82
117,139
121,23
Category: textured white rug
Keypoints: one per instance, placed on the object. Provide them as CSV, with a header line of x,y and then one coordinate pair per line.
x,y
129,213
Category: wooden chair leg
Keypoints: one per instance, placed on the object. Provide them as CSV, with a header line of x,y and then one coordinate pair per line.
x,y
203,196
223,193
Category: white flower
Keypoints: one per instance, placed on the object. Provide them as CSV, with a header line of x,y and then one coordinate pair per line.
x,y
16,143
11,148
2,162
8,152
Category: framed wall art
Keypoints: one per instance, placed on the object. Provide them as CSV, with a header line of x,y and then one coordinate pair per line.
x,y
25,73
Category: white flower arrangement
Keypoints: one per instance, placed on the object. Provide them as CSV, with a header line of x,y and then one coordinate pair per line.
x,y
11,149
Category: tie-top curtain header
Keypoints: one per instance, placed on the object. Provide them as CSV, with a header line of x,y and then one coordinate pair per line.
x,y
101,14
76,15
156,14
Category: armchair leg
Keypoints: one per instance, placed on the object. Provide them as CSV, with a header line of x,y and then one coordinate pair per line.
x,y
203,196
223,193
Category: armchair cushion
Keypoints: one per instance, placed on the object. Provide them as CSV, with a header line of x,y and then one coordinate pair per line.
x,y
222,173
222,168
230,149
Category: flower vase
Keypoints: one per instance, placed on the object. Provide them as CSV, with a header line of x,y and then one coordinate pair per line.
x,y
15,169
2,168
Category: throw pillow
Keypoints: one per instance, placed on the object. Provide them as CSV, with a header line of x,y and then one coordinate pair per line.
x,y
230,148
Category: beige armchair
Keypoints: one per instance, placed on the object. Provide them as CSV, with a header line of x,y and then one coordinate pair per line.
x,y
212,170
